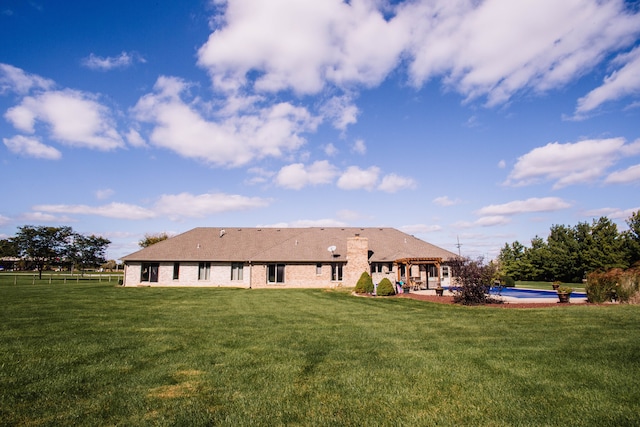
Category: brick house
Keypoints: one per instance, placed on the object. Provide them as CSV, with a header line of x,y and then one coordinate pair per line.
x,y
315,257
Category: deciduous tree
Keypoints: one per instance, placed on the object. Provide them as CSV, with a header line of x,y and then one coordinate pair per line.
x,y
87,251
152,239
42,245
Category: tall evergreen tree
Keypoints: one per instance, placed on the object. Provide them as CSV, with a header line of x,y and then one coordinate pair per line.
x,y
631,239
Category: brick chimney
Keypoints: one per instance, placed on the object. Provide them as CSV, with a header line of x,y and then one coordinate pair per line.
x,y
357,259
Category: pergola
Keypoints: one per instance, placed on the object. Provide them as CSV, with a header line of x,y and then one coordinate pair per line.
x,y
413,281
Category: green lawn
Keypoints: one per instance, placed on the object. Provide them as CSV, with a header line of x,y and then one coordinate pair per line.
x,y
98,354
548,285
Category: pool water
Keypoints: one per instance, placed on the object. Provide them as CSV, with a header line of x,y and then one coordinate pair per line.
x,y
531,293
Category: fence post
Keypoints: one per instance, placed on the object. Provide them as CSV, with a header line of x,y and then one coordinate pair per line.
x,y
50,278
33,282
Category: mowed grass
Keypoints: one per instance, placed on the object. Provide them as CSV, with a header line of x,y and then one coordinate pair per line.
x,y
98,354
548,285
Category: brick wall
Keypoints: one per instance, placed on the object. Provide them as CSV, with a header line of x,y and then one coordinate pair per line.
x,y
357,259
295,276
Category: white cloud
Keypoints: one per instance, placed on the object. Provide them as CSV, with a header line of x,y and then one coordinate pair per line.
x,y
31,147
544,204
502,164
182,205
341,111
626,176
104,193
41,217
491,49
330,150
301,44
123,60
620,83
260,176
350,215
13,79
485,221
112,210
4,220
571,163
135,139
355,178
446,201
612,213
490,221
174,206
359,147
500,47
420,228
231,141
392,183
74,118
302,223
297,175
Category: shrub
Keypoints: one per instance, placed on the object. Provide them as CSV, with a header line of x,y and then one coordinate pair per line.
x,y
472,281
385,288
623,285
508,282
629,286
601,287
365,284
565,290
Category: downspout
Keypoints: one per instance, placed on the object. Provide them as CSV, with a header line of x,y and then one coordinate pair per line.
x,y
250,273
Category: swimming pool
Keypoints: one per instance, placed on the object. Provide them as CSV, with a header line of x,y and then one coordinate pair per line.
x,y
531,293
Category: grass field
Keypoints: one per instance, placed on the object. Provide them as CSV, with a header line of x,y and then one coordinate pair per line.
x,y
548,285
97,354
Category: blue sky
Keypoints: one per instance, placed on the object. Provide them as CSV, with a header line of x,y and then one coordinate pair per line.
x,y
482,122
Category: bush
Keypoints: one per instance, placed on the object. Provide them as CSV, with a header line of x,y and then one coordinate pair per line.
x,y
622,285
365,284
385,288
472,280
601,287
508,282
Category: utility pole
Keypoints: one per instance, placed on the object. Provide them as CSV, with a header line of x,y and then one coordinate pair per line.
x,y
458,246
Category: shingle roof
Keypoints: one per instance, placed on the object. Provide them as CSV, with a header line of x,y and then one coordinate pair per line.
x,y
285,245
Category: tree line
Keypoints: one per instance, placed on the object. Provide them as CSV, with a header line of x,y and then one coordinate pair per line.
x,y
570,253
42,247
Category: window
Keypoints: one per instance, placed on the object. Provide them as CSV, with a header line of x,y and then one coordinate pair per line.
x,y
433,271
336,272
236,270
204,270
176,270
376,267
445,271
318,269
275,273
149,272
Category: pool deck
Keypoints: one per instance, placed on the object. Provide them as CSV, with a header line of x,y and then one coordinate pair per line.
x,y
512,300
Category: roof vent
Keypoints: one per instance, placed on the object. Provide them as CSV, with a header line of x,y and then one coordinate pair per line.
x,y
222,232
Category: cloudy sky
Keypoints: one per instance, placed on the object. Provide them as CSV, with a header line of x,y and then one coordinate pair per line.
x,y
482,122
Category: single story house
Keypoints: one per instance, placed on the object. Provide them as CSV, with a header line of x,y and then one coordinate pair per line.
x,y
314,257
